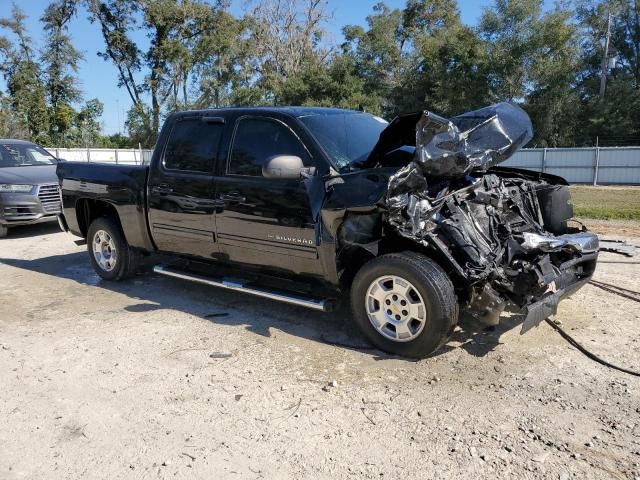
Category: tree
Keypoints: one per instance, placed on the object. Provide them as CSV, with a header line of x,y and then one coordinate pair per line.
x,y
117,140
166,67
334,85
615,119
223,70
285,37
23,76
10,126
137,128
420,57
446,69
533,58
378,52
88,123
116,18
60,61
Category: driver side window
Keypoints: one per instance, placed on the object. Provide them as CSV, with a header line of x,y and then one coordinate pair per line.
x,y
257,140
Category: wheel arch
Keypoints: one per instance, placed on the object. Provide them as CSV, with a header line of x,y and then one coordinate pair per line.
x,y
88,210
354,257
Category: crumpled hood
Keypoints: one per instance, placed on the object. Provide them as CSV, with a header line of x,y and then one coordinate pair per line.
x,y
37,175
451,148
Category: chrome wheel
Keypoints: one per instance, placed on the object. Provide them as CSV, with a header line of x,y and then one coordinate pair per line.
x,y
395,308
104,250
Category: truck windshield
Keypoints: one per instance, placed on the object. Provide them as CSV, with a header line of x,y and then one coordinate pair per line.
x,y
24,155
347,137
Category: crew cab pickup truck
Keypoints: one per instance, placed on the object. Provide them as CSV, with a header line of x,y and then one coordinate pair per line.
x,y
414,220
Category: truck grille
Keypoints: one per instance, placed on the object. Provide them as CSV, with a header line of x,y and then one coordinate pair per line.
x,y
49,196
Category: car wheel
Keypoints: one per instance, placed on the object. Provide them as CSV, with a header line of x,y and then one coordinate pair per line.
x,y
111,256
3,231
405,304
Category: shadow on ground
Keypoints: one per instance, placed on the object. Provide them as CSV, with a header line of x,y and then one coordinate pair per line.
x,y
25,231
151,293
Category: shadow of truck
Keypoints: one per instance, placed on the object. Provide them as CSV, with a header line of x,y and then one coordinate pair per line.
x,y
149,292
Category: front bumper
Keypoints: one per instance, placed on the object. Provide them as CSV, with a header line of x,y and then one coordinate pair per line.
x,y
572,275
43,205
547,306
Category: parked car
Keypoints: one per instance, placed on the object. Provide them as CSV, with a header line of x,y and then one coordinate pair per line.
x,y
29,191
414,219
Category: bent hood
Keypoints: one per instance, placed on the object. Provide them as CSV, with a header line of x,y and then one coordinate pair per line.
x,y
451,148
29,175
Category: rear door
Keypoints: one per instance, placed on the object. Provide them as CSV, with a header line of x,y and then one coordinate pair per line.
x,y
180,192
265,221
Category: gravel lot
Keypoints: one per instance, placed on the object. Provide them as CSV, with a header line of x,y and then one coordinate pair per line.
x,y
103,380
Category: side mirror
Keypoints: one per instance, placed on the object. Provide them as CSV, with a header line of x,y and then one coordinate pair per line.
x,y
283,166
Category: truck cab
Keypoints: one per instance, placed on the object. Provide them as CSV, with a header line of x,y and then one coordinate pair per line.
x,y
215,190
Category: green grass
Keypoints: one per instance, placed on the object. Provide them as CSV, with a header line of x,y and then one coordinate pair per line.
x,y
609,203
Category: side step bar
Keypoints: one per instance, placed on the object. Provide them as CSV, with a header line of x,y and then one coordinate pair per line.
x,y
314,304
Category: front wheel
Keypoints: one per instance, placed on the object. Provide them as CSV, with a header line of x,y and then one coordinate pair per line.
x,y
111,256
3,231
405,304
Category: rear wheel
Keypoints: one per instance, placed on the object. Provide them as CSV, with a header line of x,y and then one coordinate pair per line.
x,y
405,304
111,256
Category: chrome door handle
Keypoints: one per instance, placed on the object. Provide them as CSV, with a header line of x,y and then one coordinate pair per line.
x,y
162,188
232,197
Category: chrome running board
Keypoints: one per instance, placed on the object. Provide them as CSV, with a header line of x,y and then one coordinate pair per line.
x,y
236,285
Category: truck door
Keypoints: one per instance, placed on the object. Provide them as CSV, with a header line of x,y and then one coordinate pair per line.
x,y
265,221
180,190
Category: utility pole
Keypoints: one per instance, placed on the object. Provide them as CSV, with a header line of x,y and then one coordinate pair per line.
x,y
118,110
605,58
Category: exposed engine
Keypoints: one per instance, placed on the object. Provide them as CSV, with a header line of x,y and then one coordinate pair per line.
x,y
504,232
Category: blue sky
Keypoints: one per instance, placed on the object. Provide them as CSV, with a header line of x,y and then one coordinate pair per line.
x,y
99,79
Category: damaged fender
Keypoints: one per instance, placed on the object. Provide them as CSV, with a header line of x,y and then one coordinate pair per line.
x,y
502,233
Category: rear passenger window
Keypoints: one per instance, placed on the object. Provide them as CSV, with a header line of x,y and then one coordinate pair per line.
x,y
193,146
257,140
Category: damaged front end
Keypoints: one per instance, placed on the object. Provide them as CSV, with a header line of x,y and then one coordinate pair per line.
x,y
503,233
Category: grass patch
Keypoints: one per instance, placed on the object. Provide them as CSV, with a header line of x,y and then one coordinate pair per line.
x,y
607,203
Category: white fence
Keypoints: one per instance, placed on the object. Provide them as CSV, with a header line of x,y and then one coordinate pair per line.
x,y
124,156
605,165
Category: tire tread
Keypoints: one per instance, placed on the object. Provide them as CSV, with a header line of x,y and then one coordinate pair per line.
x,y
128,262
437,279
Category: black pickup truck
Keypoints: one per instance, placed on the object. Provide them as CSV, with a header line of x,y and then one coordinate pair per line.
x,y
415,219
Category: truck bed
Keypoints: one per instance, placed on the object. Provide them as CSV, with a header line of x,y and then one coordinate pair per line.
x,y
123,187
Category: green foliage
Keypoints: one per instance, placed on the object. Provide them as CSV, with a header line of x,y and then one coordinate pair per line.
x,y
614,119
221,62
117,140
60,61
23,77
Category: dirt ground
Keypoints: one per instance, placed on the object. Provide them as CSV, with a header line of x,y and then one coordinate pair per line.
x,y
103,381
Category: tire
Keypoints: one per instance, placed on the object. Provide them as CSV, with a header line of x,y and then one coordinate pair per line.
x,y
419,326
4,231
117,260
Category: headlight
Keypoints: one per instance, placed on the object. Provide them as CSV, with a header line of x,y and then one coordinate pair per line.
x,y
8,188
